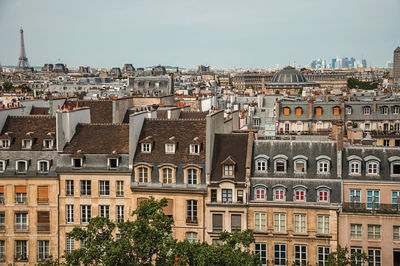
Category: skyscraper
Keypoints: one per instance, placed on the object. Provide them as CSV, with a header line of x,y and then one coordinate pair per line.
x,y
396,66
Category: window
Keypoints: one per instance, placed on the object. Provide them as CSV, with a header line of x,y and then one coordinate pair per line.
x,y
191,215
355,230
227,195
336,111
372,167
323,195
194,149
395,168
300,223
261,249
2,165
104,211
374,257
42,194
348,110
386,143
47,144
279,222
256,122
367,127
323,166
2,249
318,111
280,166
356,262
279,254
21,250
21,166
299,194
5,143
260,193
239,196
396,199
21,221
143,173
217,222
286,111
355,195
167,175
261,165
20,194
86,213
323,224
367,110
323,253
384,110
260,221
299,111
300,166
355,167
192,176
213,195
43,166
373,199
76,162
2,221
119,188
169,148
104,188
146,147
43,249
191,237
69,187
120,213
396,110
113,163
279,194
374,231
287,126
1,194
26,143
69,244
86,187
236,222
69,216
300,254
396,232
228,170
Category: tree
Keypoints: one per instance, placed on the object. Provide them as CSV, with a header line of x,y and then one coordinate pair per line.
x,y
8,86
341,257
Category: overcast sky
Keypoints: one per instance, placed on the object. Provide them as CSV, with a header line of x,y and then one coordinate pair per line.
x,y
187,33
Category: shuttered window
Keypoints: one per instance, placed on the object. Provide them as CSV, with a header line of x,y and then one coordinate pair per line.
x,y
20,189
286,111
43,224
299,111
236,222
318,111
1,189
336,111
43,194
217,222
168,210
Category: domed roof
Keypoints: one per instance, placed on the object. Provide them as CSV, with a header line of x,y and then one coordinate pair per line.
x,y
289,75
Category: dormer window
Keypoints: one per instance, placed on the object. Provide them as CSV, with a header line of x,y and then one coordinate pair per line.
x,y
5,143
228,170
146,147
348,110
194,149
21,166
280,163
300,164
170,148
318,111
77,162
228,167
3,164
366,110
385,110
286,111
323,164
43,166
394,165
336,110
48,144
396,110
299,194
299,111
323,195
113,163
279,194
26,144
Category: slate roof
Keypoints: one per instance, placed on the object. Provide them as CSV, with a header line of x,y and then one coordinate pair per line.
x,y
39,110
193,115
100,111
99,139
39,127
230,147
184,131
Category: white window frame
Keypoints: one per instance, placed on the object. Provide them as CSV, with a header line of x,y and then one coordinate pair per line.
x,y
392,164
146,147
355,195
284,165
300,189
104,211
120,213
326,250
280,257
167,175
24,249
260,188
23,222
300,161
373,257
261,166
169,148
26,144
191,172
321,167
366,110
104,188
5,143
229,170
109,163
50,146
69,244
192,237
355,231
396,232
194,149
279,222
259,218
384,110
376,231
323,224
351,168
43,249
300,223
348,110
396,110
372,170
69,213
283,190
3,164
26,166
261,248
73,163
300,257
119,188
143,175
328,195
86,213
39,166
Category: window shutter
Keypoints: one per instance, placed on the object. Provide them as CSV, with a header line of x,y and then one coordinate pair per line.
x,y
1,189
43,194
286,111
298,111
217,222
318,111
20,189
168,210
43,221
236,221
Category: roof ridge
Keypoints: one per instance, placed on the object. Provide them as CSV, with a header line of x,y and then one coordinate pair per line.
x,y
104,124
33,116
175,119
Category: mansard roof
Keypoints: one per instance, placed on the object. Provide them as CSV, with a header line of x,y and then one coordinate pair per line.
x,y
100,110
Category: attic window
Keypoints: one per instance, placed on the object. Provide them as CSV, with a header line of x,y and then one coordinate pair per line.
x,y
194,149
21,166
169,148
146,147
76,162
47,144
228,170
113,163
228,167
26,144
5,143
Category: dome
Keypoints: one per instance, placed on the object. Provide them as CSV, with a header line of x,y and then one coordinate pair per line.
x,y
289,75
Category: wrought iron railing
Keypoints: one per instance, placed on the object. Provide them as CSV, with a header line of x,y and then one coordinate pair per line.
x,y
371,208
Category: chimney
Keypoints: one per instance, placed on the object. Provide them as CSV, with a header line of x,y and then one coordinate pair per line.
x,y
311,108
342,107
136,121
374,105
338,133
349,97
277,107
263,84
326,98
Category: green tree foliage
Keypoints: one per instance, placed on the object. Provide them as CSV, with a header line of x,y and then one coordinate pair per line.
x,y
147,240
8,86
353,83
341,257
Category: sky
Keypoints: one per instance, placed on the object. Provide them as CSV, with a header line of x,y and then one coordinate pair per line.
x,y
187,33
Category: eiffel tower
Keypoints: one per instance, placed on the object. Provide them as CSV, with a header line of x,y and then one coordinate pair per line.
x,y
23,63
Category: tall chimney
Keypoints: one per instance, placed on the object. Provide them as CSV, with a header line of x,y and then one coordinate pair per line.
x,y
311,108
277,107
374,105
263,84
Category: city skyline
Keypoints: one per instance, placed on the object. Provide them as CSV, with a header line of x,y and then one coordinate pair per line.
x,y
222,34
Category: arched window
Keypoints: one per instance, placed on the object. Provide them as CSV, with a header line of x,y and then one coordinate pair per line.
x,y
286,111
167,175
354,167
318,111
43,166
300,164
260,193
279,194
143,174
366,110
261,165
394,165
280,163
372,167
323,194
348,110
336,110
299,111
323,164
299,194
192,175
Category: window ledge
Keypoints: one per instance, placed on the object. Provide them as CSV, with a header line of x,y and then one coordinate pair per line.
x,y
300,234
280,233
323,235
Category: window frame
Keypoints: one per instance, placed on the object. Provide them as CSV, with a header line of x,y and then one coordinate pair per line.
x,y
281,196
169,148
281,259
296,161
87,187
300,256
75,159
298,226
263,194
146,147
26,144
300,189
323,190
355,233
3,166
280,160
323,224
110,165
17,168
104,188
50,146
321,170
194,149
279,222
40,168
368,167
192,211
227,193
258,165
374,231
359,167
259,226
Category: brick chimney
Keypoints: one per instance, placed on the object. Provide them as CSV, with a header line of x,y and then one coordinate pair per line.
x,y
337,134
277,107
374,105
311,108
263,84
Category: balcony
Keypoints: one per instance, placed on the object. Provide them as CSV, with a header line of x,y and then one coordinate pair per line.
x,y
43,227
21,228
21,258
385,133
379,208
191,220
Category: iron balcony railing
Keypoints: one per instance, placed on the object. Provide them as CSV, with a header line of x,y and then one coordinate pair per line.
x,y
21,227
371,208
